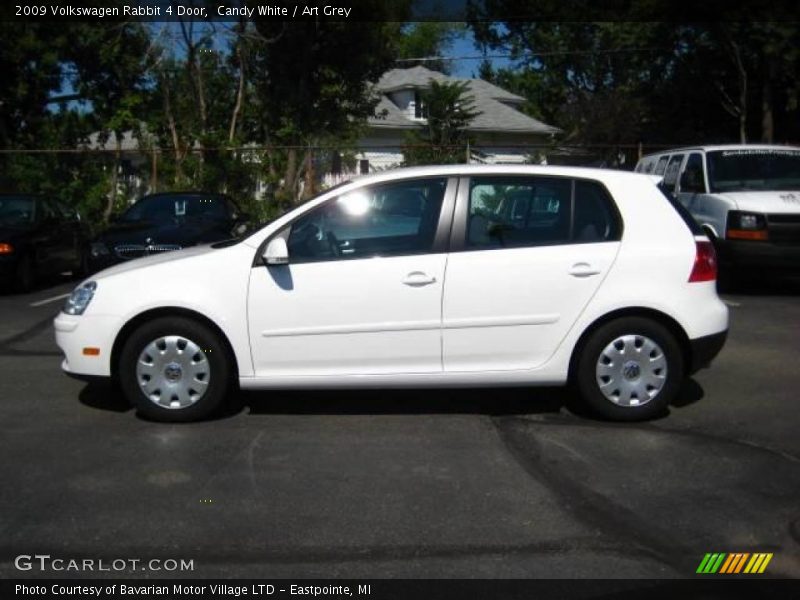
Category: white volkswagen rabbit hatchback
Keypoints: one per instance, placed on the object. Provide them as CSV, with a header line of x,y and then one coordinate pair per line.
x,y
455,276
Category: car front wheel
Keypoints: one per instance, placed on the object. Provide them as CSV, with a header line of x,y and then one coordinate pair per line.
x,y
174,369
629,369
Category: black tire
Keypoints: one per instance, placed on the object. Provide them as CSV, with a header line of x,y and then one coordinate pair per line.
x,y
214,353
585,377
25,276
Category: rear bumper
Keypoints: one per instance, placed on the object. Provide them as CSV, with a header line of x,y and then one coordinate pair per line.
x,y
763,255
705,349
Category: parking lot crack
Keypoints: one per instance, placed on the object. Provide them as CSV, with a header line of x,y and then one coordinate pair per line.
x,y
593,509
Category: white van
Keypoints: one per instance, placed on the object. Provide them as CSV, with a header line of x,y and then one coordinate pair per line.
x,y
745,197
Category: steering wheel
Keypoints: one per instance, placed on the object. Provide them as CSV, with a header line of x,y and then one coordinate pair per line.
x,y
333,242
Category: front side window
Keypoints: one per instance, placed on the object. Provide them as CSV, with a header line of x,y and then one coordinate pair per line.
x,y
693,178
513,212
753,169
383,220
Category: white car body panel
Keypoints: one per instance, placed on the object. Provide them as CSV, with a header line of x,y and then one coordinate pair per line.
x,y
353,323
512,313
370,322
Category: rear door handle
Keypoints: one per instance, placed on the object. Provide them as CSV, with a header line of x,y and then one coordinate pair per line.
x,y
418,278
583,269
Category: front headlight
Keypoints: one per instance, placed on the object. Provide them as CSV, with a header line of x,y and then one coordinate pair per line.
x,y
80,298
99,249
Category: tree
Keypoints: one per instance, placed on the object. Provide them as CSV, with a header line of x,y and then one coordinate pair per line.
x,y
444,139
110,68
592,80
313,81
665,83
426,39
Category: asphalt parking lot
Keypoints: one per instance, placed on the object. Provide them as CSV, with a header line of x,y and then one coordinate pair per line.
x,y
477,483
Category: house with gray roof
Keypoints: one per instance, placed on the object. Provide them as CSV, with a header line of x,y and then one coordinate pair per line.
x,y
503,134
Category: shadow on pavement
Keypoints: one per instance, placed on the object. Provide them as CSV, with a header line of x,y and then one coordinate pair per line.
x,y
104,396
489,401
484,401
759,283
690,393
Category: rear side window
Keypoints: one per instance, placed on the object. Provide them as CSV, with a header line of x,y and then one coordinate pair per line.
x,y
513,212
661,165
673,168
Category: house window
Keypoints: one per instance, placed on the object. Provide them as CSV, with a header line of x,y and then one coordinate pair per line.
x,y
419,109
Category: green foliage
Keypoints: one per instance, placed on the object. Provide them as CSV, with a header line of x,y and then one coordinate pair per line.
x,y
658,82
313,83
444,137
427,39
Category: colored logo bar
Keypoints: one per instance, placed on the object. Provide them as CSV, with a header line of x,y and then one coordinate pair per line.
x,y
734,563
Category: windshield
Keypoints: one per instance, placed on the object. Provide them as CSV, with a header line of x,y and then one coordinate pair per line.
x,y
161,208
17,211
753,169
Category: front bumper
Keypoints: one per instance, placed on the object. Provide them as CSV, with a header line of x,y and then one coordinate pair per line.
x,y
762,255
8,268
705,349
74,333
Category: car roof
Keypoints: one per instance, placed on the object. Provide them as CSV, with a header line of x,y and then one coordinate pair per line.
x,y
471,170
186,193
709,148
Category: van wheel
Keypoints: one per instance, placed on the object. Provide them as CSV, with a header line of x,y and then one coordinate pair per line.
x,y
629,369
174,369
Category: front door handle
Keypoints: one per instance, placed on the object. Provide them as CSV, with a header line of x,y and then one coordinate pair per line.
x,y
583,269
418,278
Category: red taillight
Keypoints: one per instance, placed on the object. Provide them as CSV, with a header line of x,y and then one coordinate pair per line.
x,y
6,248
705,263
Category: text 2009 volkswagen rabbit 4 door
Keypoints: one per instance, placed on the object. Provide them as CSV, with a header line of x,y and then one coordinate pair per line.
x,y
434,276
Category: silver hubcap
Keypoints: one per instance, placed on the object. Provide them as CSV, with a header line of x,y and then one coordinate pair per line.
x,y
631,370
173,372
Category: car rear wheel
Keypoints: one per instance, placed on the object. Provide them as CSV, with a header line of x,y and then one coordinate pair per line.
x,y
629,369
174,369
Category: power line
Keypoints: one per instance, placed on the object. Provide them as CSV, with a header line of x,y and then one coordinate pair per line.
x,y
535,54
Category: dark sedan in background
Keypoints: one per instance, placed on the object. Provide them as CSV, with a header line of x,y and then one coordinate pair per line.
x,y
39,237
163,222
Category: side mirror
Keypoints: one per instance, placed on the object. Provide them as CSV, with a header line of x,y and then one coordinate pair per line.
x,y
277,252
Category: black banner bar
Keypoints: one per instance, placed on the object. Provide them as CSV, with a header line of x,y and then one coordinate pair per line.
x,y
679,11
405,589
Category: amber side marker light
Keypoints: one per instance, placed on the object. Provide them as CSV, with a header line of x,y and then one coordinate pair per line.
x,y
6,248
91,351
741,234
